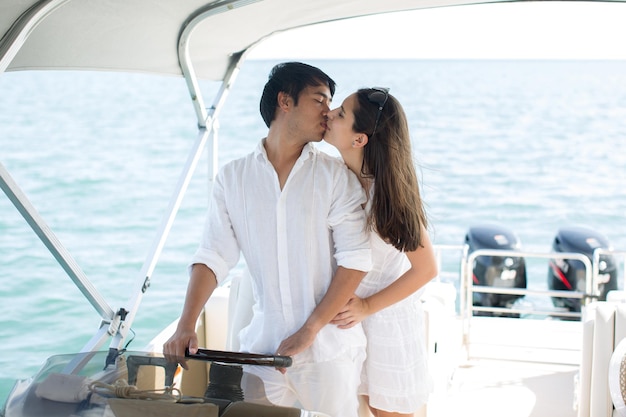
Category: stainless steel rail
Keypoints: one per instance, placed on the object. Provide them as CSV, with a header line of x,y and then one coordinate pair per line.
x,y
467,288
595,260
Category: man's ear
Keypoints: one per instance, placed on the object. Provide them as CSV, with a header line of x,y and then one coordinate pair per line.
x,y
284,101
360,140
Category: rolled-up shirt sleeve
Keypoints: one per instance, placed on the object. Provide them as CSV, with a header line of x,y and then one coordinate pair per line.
x,y
347,221
218,248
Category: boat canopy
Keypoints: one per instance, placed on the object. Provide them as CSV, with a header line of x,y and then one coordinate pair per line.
x,y
145,35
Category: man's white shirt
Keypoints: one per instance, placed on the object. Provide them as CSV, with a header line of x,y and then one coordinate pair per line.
x,y
292,240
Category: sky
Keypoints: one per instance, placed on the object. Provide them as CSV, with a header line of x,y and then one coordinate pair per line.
x,y
520,30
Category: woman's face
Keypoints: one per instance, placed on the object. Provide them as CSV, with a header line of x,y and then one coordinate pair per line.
x,y
339,131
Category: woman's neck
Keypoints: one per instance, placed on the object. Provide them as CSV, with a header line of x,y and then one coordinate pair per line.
x,y
354,160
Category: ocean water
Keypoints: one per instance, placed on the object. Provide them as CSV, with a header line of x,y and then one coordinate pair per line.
x,y
531,145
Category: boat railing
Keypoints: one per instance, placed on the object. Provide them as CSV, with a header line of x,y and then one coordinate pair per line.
x,y
523,292
597,262
520,311
468,288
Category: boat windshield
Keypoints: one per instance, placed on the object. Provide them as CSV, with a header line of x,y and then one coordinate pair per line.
x,y
134,383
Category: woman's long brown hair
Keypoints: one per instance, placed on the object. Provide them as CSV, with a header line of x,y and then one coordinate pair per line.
x,y
397,213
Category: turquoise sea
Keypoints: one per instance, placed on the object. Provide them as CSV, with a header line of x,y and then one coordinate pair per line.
x,y
532,145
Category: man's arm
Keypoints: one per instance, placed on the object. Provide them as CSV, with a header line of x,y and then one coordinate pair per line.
x,y
202,283
341,289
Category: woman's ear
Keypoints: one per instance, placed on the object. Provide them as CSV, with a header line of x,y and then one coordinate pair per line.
x,y
360,140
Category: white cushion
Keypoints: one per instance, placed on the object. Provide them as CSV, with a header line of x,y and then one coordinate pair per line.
x,y
617,378
584,375
604,329
240,305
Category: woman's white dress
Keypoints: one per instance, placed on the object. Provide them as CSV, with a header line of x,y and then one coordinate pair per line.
x,y
395,374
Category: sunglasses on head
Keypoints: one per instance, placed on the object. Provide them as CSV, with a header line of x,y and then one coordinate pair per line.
x,y
378,96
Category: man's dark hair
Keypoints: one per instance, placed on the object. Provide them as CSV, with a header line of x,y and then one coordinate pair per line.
x,y
290,78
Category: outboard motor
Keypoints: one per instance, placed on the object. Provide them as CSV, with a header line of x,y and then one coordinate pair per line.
x,y
569,274
496,271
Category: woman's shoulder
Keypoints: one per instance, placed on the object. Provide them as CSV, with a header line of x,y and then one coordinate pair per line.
x,y
331,163
331,160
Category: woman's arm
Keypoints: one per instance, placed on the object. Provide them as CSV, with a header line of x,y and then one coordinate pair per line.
x,y
423,269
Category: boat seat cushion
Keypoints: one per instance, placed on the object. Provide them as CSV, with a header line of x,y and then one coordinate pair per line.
x,y
604,329
617,364
240,305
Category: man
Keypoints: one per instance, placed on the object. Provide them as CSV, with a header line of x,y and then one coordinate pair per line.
x,y
296,215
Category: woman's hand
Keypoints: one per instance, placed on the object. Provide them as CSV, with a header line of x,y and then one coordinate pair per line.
x,y
354,312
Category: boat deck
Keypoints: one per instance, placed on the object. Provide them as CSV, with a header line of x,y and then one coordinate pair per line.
x,y
488,387
514,367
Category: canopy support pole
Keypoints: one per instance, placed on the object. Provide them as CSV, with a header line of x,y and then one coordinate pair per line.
x,y
116,324
63,257
207,125
186,64
12,41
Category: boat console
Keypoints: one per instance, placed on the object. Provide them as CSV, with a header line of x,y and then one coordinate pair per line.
x,y
140,383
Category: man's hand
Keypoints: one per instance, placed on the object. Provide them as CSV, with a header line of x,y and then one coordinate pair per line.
x,y
201,285
174,348
296,343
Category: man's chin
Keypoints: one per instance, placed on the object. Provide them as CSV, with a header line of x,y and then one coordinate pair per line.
x,y
317,138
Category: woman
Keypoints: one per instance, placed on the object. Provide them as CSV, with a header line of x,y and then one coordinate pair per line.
x,y
370,131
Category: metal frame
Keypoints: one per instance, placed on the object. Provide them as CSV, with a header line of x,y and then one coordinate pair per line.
x,y
468,287
204,116
207,125
116,324
596,262
14,39
10,44
63,257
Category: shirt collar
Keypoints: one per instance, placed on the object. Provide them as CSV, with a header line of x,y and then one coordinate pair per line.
x,y
259,152
308,151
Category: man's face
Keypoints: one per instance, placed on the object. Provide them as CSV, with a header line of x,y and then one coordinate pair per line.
x,y
310,115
